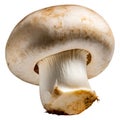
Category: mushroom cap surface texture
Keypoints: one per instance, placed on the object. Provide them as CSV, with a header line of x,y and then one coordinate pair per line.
x,y
57,29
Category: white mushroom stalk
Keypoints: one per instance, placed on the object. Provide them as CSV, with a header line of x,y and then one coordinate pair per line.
x,y
64,87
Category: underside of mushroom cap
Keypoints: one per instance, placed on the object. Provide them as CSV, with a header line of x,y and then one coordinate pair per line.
x,y
57,29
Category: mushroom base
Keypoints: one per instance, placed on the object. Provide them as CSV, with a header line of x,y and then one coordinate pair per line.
x,y
70,103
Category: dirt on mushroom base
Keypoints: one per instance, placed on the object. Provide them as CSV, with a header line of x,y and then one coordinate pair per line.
x,y
74,102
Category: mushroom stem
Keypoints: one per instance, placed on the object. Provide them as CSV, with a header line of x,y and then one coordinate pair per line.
x,y
64,86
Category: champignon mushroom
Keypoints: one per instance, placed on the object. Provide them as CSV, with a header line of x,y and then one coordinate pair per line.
x,y
59,48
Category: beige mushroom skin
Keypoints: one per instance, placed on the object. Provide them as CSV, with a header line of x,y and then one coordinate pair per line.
x,y
60,48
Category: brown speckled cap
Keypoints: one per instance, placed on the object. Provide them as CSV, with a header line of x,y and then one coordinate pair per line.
x,y
56,29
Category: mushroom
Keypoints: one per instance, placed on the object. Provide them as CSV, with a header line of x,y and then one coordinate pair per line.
x,y
59,48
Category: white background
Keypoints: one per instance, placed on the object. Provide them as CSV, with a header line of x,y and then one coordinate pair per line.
x,y
20,100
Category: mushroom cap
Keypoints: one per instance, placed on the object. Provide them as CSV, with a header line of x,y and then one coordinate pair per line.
x,y
57,29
